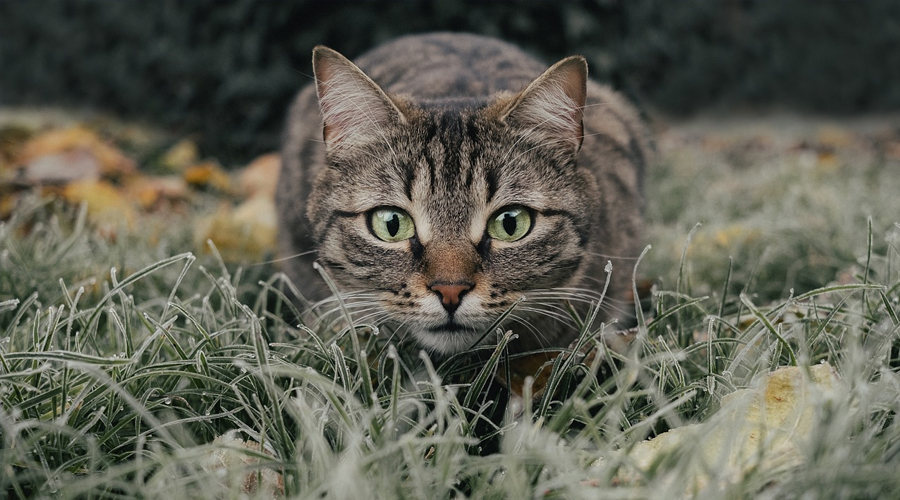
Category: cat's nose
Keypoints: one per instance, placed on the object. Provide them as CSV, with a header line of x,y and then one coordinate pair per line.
x,y
451,293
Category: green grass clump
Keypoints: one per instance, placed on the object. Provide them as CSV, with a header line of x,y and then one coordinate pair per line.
x,y
121,362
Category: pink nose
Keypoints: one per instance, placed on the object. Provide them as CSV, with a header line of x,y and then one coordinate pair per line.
x,y
451,294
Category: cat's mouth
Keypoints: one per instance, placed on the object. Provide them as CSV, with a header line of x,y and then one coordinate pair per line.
x,y
449,327
448,338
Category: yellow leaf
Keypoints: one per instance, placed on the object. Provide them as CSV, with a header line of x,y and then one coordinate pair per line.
x,y
180,156
757,428
106,206
207,174
247,232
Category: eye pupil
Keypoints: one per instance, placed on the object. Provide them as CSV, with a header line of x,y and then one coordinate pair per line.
x,y
509,223
393,224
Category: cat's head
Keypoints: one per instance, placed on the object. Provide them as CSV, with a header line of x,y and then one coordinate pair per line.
x,y
444,213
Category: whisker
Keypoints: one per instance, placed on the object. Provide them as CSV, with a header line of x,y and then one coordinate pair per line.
x,y
560,315
286,258
610,256
578,295
368,318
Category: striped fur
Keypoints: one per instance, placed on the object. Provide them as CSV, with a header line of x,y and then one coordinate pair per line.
x,y
452,128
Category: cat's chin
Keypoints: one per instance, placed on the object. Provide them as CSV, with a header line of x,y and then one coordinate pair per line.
x,y
449,338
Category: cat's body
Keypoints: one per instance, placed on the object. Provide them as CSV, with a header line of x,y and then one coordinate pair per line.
x,y
453,193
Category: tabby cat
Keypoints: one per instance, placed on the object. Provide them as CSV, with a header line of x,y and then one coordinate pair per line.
x,y
443,177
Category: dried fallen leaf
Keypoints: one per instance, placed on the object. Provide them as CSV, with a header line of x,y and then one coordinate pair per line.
x,y
249,475
207,174
716,240
835,137
261,176
107,207
8,203
153,192
180,156
245,232
774,418
68,154
827,161
538,366
892,150
12,139
259,212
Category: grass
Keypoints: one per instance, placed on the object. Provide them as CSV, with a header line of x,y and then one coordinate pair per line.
x,y
123,358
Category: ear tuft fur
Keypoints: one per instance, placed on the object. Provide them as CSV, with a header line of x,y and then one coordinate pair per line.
x,y
354,108
552,106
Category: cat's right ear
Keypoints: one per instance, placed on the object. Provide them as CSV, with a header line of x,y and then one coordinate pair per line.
x,y
354,108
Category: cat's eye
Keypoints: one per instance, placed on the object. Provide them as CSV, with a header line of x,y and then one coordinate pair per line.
x,y
509,223
391,224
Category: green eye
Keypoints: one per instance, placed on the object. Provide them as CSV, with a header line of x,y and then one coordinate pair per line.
x,y
509,223
392,224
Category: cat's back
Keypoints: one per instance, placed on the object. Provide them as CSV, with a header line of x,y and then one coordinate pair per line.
x,y
449,65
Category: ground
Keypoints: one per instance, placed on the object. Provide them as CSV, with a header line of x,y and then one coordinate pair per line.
x,y
144,319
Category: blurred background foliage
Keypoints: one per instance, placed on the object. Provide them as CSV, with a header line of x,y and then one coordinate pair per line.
x,y
225,71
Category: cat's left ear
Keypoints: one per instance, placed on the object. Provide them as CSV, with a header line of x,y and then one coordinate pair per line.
x,y
552,106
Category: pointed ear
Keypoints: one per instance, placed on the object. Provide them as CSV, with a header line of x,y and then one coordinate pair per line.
x,y
552,106
354,108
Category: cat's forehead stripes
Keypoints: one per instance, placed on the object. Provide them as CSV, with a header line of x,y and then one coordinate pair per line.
x,y
446,182
457,183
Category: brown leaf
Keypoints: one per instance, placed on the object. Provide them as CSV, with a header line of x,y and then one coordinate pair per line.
x,y
73,153
153,193
244,469
892,150
8,202
12,139
261,176
207,174
539,365
835,137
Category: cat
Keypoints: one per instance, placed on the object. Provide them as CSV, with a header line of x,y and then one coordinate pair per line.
x,y
443,177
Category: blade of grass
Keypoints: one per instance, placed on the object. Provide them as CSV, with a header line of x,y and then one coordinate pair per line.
x,y
769,327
